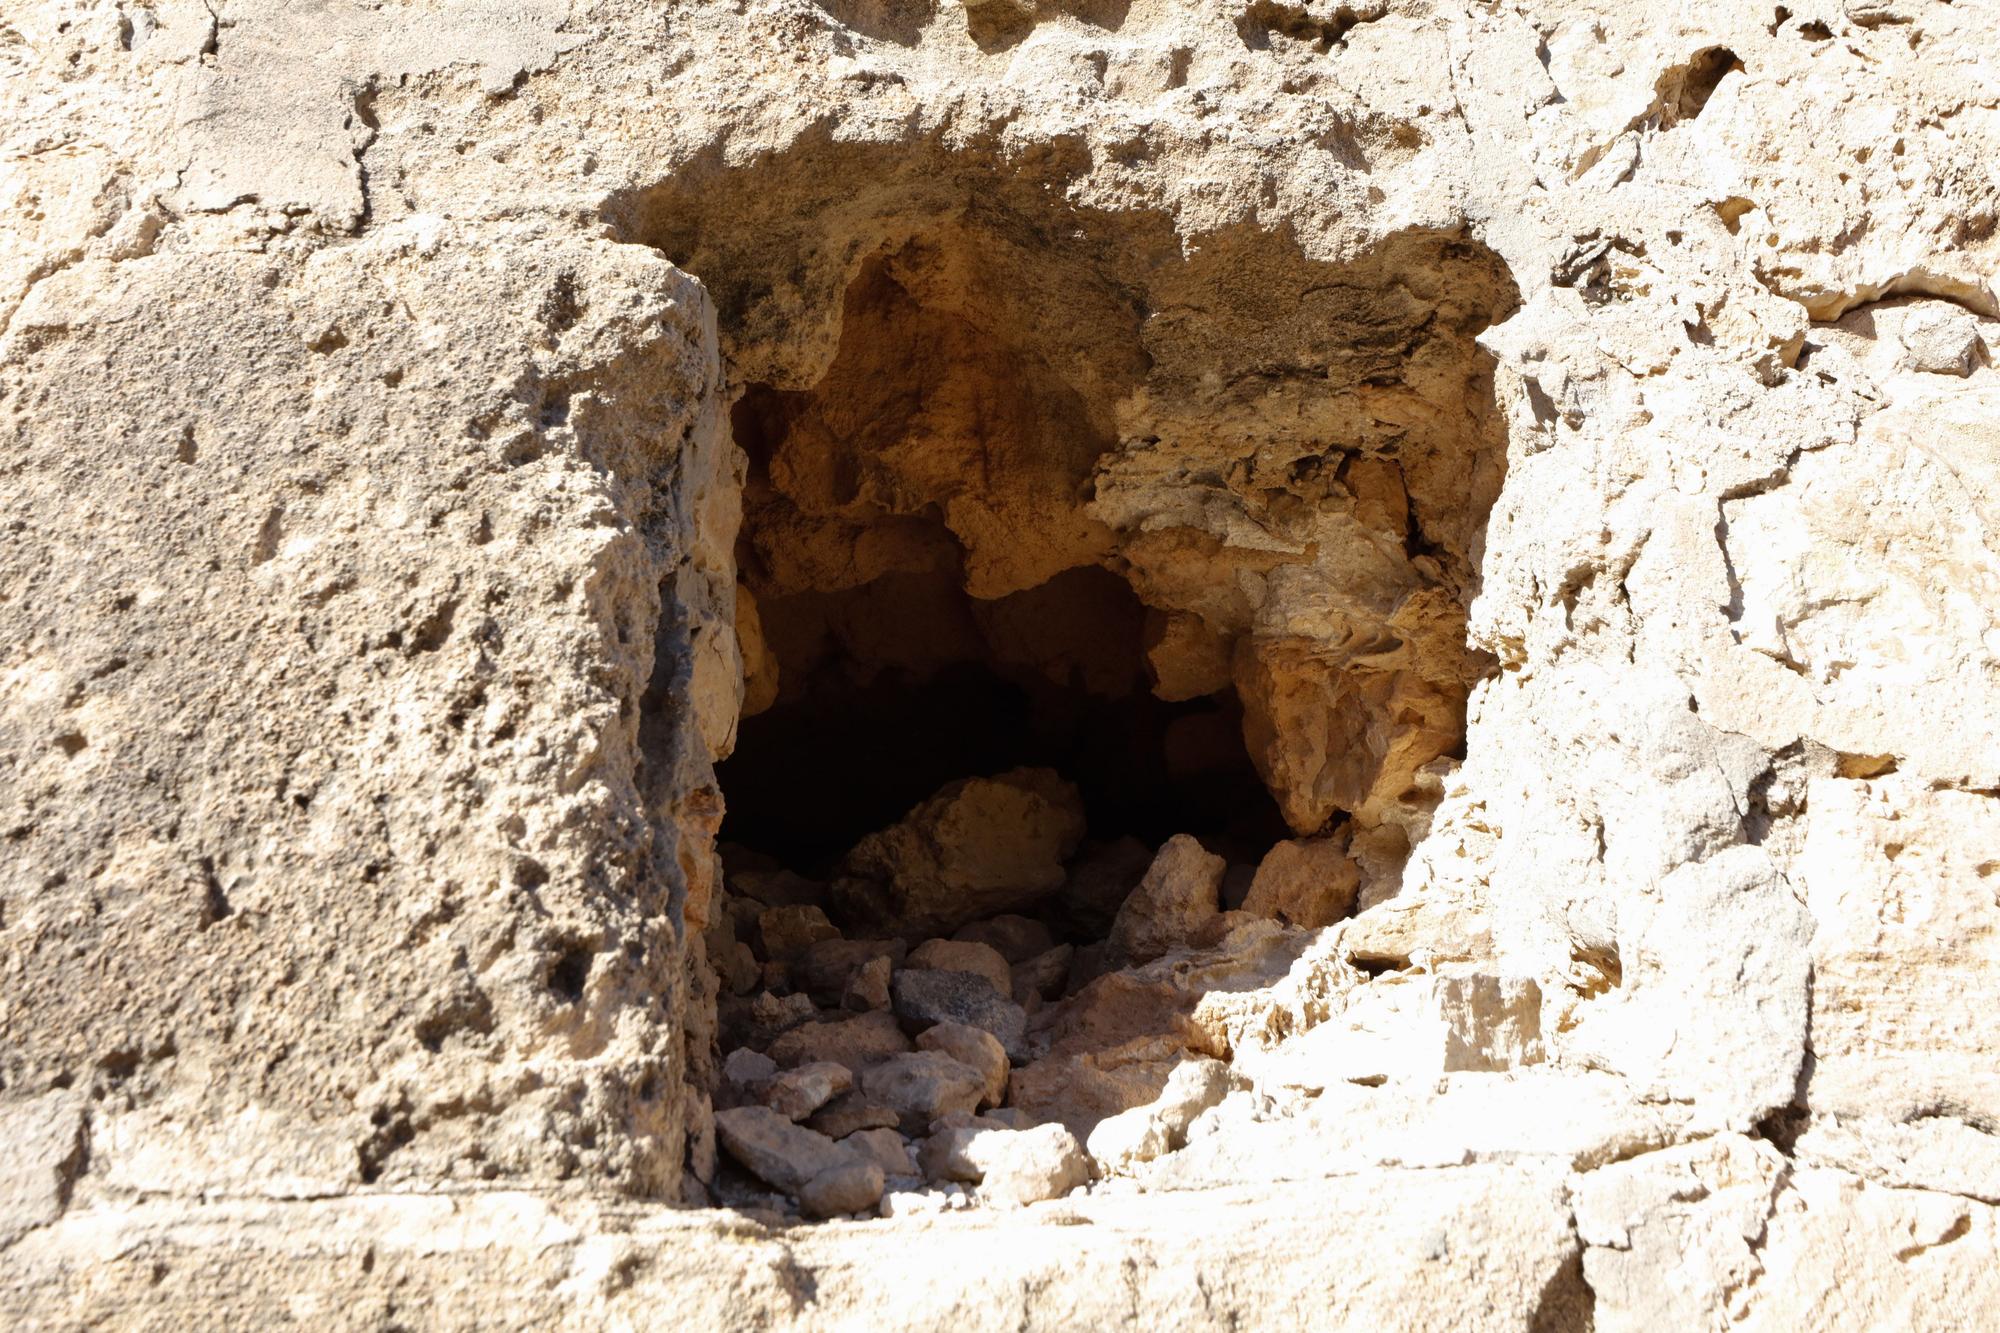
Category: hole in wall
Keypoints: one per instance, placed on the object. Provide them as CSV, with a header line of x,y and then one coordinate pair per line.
x,y
1159,547
891,690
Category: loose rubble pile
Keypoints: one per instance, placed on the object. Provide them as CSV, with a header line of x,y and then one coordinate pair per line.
x,y
962,1013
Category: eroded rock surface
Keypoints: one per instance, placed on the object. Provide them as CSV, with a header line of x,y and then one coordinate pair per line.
x,y
1550,449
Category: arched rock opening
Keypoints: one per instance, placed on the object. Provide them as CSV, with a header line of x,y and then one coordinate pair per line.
x,y
1062,534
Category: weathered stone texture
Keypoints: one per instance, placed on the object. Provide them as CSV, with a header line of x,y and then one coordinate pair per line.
x,y
1567,431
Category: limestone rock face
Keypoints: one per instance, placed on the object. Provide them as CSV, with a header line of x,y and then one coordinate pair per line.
x,y
311,698
1559,441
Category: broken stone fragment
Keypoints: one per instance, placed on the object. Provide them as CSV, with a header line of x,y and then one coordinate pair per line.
x,y
850,1113
787,932
781,1154
773,1014
925,999
923,1086
1216,932
887,1149
1195,1085
980,846
1028,1165
961,956
857,1042
748,1069
1113,1045
1125,1140
946,1154
1178,896
825,967
849,1187
797,1093
1044,975
868,989
1307,882
1941,339
913,1201
975,1049
1185,658
1014,938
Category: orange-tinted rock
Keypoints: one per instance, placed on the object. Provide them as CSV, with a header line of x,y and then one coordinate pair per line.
x,y
1305,882
963,956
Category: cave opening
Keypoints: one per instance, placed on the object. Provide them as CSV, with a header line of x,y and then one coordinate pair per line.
x,y
923,599
1101,600
858,742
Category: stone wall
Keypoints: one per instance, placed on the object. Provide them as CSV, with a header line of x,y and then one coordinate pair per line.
x,y
368,629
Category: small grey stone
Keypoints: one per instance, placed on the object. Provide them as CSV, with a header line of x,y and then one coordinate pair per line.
x,y
747,1068
947,1154
868,989
1027,1166
974,1049
924,999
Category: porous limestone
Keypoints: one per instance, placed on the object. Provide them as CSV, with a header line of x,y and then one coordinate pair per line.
x,y
1555,443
